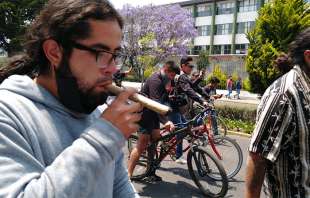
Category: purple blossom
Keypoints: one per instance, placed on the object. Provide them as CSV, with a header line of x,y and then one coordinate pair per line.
x,y
169,28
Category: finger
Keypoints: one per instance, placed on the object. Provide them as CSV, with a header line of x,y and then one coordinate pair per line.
x,y
135,117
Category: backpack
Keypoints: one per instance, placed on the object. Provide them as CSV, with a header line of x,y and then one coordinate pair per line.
x,y
175,98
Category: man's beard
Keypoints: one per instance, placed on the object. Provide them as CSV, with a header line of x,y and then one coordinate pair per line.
x,y
72,96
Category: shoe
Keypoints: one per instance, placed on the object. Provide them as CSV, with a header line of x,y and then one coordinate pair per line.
x,y
181,161
154,178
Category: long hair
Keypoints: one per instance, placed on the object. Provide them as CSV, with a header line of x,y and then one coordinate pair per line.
x,y
62,21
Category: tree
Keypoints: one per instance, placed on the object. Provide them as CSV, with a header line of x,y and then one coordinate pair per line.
x,y
157,32
203,60
15,15
277,25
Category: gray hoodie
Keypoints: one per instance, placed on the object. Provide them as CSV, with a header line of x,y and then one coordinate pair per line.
x,y
48,151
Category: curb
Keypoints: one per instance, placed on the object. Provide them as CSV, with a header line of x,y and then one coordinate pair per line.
x,y
239,134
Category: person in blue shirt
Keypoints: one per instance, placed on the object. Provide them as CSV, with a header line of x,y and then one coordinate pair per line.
x,y
238,88
54,139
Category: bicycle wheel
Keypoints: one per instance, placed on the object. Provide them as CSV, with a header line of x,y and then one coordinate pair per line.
x,y
143,166
202,167
231,155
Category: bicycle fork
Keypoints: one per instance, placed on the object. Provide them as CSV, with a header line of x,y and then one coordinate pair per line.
x,y
201,163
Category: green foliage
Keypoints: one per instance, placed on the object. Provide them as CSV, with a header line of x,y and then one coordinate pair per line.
x,y
203,60
14,18
149,71
277,25
239,125
148,65
217,72
3,61
246,84
238,118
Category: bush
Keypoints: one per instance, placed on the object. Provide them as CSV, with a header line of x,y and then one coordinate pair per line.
x,y
149,71
246,85
238,118
3,61
217,72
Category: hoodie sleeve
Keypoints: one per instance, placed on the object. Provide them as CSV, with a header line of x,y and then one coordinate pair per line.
x,y
73,173
185,85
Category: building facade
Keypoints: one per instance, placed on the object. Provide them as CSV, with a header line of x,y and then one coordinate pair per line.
x,y
222,26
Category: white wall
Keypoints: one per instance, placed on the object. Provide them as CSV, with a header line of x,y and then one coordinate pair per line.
x,y
223,19
246,16
222,39
202,40
200,21
241,39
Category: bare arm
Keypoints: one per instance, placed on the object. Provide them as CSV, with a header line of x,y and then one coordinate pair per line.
x,y
255,173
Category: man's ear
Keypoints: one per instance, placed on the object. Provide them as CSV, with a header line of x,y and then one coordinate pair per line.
x,y
307,56
53,52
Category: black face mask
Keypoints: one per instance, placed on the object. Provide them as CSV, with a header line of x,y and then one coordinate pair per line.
x,y
71,96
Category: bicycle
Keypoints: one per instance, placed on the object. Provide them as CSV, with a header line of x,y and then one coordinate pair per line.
x,y
203,167
225,148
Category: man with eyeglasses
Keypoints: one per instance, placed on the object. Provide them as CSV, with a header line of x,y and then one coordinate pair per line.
x,y
184,86
54,141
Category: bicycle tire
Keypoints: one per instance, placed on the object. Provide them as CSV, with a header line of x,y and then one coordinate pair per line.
x,y
205,165
142,168
230,153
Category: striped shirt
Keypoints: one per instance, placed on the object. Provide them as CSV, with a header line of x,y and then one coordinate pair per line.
x,y
282,135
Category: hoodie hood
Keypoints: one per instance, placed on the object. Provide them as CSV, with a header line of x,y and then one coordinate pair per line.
x,y
25,86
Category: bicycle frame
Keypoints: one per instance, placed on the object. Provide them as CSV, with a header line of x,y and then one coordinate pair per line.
x,y
198,131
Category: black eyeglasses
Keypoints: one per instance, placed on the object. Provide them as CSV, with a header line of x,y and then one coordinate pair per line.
x,y
103,57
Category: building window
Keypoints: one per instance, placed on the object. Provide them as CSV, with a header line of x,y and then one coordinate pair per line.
x,y
245,27
216,49
241,48
222,29
248,5
204,30
197,49
226,49
204,10
225,8
190,10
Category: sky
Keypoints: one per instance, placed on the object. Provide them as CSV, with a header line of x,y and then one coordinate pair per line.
x,y
119,3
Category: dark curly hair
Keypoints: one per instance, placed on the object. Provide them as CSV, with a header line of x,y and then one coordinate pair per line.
x,y
299,46
283,63
62,21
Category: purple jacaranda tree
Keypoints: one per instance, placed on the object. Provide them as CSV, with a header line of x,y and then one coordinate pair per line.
x,y
153,33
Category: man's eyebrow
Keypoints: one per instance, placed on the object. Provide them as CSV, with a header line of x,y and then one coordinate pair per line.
x,y
104,47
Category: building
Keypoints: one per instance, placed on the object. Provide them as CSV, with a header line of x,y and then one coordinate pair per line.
x,y
222,26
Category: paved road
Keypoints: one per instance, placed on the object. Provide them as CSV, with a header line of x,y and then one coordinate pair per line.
x,y
177,182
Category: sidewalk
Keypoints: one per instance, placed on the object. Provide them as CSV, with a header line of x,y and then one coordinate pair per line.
x,y
245,96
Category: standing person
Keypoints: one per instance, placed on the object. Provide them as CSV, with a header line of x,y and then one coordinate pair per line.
x,y
279,148
210,89
155,88
238,88
54,142
229,86
184,85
